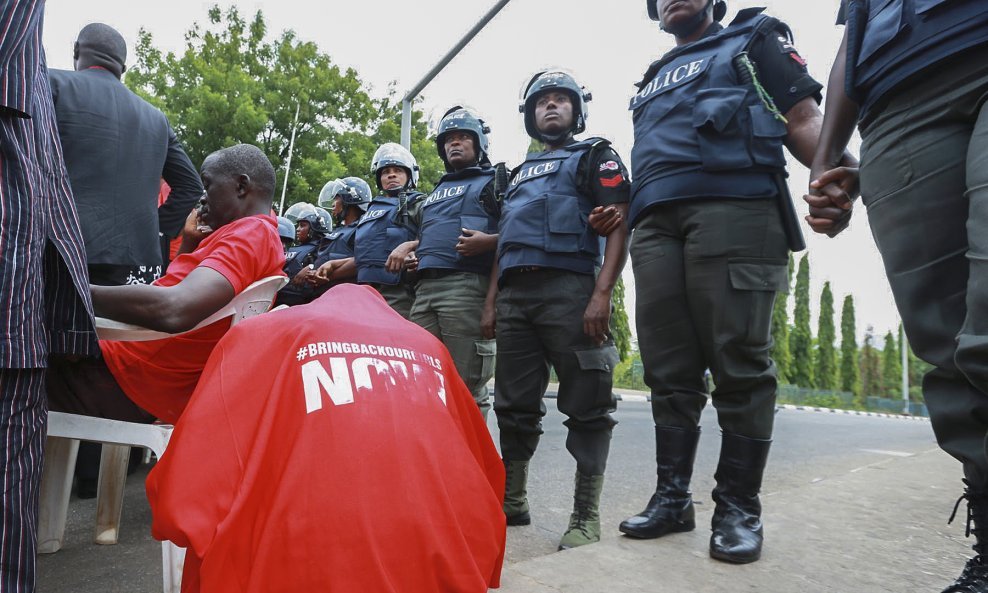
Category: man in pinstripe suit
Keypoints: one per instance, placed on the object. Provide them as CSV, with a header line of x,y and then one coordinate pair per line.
x,y
45,308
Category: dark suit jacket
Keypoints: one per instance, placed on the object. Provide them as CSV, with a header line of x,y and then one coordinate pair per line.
x,y
117,148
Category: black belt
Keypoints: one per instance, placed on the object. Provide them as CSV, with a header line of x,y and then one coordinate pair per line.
x,y
436,273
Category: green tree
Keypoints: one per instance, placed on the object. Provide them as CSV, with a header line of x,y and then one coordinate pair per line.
x,y
891,367
826,352
780,331
849,375
620,328
536,146
870,366
234,83
801,340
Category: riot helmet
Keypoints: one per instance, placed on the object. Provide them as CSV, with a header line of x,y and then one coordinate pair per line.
x,y
460,119
319,223
360,193
286,229
717,7
554,80
391,154
326,219
329,192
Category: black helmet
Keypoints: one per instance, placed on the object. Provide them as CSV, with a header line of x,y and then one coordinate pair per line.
x,y
459,119
554,80
329,192
719,8
286,230
359,194
325,218
391,154
320,224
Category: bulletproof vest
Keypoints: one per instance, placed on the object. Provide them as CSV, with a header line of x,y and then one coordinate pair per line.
x,y
298,257
383,227
454,205
295,259
544,215
890,40
336,245
700,129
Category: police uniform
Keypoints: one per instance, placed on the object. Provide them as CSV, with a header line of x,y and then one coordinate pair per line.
x,y
386,225
918,69
547,255
296,259
709,253
452,288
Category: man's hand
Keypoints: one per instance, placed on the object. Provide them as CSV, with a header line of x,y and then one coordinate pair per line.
x,y
411,262
472,243
194,231
487,318
396,261
605,220
304,276
831,199
597,316
324,274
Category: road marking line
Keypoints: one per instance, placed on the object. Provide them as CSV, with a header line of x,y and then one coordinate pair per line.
x,y
890,453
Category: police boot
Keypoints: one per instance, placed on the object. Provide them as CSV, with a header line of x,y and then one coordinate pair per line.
x,y
974,577
737,523
670,509
584,523
516,493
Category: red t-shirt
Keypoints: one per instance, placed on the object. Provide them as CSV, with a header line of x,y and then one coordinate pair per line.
x,y
160,375
332,447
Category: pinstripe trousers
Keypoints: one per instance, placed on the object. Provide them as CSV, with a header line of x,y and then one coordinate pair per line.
x,y
23,422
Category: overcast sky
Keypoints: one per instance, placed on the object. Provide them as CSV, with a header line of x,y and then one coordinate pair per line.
x,y
607,45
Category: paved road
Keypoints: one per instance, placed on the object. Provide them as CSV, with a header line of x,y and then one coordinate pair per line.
x,y
809,446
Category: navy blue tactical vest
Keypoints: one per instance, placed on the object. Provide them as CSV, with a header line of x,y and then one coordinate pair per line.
x,y
455,205
337,244
379,231
298,257
544,215
890,40
700,132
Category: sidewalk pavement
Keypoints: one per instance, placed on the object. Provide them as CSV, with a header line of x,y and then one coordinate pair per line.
x,y
877,528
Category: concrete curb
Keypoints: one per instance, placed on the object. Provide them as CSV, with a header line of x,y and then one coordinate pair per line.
x,y
644,398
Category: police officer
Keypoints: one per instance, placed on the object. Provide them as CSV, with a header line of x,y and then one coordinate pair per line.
x,y
713,220
554,302
914,75
348,198
311,226
387,224
455,248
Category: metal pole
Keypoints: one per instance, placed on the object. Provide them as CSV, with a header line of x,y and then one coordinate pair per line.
x,y
905,369
406,123
288,164
406,101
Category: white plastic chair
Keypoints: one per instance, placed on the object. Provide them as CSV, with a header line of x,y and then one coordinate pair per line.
x,y
66,430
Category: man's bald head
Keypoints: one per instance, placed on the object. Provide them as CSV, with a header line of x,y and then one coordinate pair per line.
x,y
103,46
246,159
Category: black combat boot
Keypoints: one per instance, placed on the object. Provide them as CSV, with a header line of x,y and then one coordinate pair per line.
x,y
737,520
974,577
670,509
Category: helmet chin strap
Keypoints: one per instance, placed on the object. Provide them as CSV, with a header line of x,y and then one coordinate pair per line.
x,y
687,28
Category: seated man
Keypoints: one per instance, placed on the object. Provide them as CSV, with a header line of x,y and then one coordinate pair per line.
x,y
351,458
228,244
